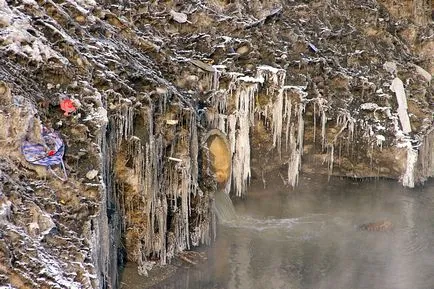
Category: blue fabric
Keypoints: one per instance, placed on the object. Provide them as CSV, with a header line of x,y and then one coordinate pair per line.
x,y
38,154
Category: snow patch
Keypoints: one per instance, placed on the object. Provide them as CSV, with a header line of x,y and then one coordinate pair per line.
x,y
5,211
390,67
380,139
369,106
251,79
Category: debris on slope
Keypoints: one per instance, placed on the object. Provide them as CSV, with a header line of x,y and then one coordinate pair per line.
x,y
41,245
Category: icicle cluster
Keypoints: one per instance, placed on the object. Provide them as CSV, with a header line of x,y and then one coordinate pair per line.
x,y
345,123
296,143
241,153
235,108
285,109
154,183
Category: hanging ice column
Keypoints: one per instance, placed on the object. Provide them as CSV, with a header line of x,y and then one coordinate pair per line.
x,y
295,144
244,117
408,177
278,111
398,87
287,99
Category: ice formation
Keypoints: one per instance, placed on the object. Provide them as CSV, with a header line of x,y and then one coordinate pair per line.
x,y
398,87
153,177
241,154
380,140
408,176
157,186
284,113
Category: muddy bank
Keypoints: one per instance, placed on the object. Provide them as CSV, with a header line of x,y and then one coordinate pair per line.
x,y
188,260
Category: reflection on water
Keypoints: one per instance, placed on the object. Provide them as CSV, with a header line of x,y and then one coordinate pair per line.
x,y
309,238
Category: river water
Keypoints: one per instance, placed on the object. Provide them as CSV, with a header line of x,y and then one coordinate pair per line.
x,y
310,238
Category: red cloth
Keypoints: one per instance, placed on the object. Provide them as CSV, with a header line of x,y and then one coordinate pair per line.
x,y
67,106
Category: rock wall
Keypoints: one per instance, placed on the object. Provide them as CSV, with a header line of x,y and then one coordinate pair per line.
x,y
132,147
331,87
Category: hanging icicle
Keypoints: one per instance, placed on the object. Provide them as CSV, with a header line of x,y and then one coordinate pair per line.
x,y
241,157
287,116
294,161
295,143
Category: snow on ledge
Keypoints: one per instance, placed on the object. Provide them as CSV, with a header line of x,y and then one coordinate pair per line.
x,y
250,79
271,69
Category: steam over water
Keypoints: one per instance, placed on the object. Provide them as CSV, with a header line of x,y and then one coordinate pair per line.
x,y
310,238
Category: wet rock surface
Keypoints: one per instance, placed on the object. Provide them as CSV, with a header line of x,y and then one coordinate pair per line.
x,y
333,87
379,226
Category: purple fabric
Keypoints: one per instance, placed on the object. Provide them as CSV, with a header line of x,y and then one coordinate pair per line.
x,y
37,153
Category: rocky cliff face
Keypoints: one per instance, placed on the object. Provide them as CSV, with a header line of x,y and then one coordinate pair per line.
x,y
335,87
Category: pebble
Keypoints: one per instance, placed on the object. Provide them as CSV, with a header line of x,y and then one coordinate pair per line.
x,y
91,174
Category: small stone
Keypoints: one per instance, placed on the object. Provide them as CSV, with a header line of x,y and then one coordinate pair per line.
x,y
179,17
91,174
422,72
390,67
79,62
244,49
172,121
202,65
161,90
80,19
